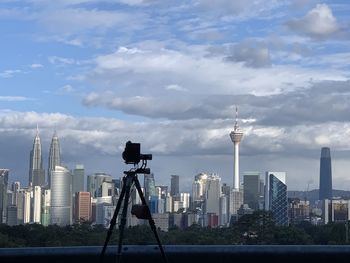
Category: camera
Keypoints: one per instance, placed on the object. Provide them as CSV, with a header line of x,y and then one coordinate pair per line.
x,y
132,153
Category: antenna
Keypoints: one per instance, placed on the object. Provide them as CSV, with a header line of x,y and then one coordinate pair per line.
x,y
236,120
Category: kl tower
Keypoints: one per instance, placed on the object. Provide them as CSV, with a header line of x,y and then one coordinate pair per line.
x,y
236,195
236,137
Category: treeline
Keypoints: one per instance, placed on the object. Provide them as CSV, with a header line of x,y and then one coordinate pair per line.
x,y
257,228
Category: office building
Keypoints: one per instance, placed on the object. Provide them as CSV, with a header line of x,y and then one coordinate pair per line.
x,y
251,189
185,199
4,176
36,204
78,175
82,207
149,187
36,171
95,182
213,193
61,196
12,215
276,196
46,204
54,157
175,186
325,174
337,211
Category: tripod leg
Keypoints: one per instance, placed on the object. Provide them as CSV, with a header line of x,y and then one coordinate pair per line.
x,y
113,221
150,219
128,184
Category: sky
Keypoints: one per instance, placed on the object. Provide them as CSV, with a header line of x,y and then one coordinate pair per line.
x,y
169,74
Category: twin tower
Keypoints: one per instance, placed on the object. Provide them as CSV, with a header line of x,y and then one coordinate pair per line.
x,y
36,170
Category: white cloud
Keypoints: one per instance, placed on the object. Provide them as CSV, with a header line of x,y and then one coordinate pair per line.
x,y
14,98
9,73
175,87
203,142
317,23
36,65
61,60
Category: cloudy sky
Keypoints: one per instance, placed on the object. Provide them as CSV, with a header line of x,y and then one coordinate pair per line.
x,y
168,74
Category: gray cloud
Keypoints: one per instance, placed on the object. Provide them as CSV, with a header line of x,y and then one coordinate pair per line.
x,y
318,23
252,53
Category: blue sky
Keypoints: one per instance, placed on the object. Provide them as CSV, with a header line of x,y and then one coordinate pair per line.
x,y
168,74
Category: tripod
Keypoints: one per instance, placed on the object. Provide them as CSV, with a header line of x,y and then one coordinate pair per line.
x,y
129,179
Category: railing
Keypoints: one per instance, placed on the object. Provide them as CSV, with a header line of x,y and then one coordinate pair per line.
x,y
181,254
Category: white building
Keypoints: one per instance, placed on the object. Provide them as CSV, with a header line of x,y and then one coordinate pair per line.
x,y
61,196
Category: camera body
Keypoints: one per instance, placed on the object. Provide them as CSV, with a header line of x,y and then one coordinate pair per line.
x,y
132,153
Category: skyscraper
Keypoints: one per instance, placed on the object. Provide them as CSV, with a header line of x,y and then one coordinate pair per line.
x,y
175,185
251,189
61,196
78,178
82,207
36,171
236,137
325,174
4,176
54,157
276,196
149,186
98,182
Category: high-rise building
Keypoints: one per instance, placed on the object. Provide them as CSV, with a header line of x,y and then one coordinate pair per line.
x,y
36,204
26,206
251,189
336,211
95,182
46,204
78,179
175,185
185,199
325,174
36,171
236,137
82,207
15,189
213,193
4,177
276,196
54,157
149,186
61,196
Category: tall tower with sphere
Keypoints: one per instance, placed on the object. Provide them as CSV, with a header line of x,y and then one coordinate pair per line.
x,y
236,137
236,195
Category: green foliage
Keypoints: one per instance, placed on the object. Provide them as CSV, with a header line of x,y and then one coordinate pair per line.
x,y
257,228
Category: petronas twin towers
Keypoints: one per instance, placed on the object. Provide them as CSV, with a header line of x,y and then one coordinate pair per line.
x,y
36,170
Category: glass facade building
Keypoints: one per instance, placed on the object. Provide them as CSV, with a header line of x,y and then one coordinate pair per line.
x,y
54,157
276,196
61,196
325,174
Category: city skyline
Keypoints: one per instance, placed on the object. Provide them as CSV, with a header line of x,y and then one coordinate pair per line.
x,y
168,74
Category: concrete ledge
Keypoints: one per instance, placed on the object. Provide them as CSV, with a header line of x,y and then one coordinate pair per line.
x,y
182,254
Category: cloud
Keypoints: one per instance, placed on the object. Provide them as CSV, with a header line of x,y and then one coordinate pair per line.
x,y
318,23
61,60
203,142
36,65
14,98
252,53
9,73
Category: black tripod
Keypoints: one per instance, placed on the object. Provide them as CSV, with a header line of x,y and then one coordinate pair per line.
x,y
129,179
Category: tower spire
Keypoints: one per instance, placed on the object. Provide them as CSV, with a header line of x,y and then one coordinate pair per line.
x,y
236,120
37,129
